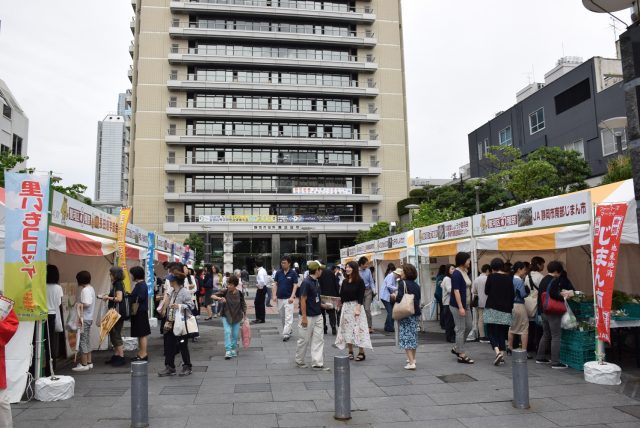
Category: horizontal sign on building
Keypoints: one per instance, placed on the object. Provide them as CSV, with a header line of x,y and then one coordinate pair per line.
x,y
447,231
322,191
268,219
344,252
73,214
556,211
391,242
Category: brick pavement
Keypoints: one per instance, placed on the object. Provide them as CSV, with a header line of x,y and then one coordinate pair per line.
x,y
264,388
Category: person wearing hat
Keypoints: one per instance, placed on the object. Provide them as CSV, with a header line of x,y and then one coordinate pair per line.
x,y
310,329
389,287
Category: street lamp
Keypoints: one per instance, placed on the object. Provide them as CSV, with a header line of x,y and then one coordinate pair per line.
x,y
411,207
309,244
207,244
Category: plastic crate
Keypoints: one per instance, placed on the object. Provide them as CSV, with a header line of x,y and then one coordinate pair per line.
x,y
578,340
582,310
576,358
632,310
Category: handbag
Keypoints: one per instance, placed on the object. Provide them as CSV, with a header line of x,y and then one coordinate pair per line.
x,y
134,307
190,326
404,308
245,331
531,301
551,306
179,324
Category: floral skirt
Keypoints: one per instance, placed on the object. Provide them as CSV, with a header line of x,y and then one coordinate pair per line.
x,y
353,330
408,332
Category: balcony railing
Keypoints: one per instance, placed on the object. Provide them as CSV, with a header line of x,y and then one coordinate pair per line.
x,y
269,218
285,190
354,108
190,131
194,77
326,6
210,160
290,55
274,28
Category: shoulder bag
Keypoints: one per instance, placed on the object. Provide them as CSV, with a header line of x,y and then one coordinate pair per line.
x,y
404,308
531,301
552,306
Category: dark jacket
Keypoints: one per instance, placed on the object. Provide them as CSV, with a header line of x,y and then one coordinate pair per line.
x,y
500,293
328,283
140,294
553,286
412,288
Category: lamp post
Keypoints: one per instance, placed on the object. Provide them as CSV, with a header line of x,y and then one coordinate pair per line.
x,y
411,207
477,189
207,244
309,244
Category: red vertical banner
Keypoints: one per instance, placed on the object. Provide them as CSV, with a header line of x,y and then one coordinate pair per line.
x,y
607,232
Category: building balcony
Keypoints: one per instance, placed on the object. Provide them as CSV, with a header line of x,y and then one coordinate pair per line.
x,y
281,227
181,30
180,166
131,49
260,9
130,74
132,26
189,137
128,97
257,195
134,4
191,110
190,82
193,56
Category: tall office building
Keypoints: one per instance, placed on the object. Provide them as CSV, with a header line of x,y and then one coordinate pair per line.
x,y
112,164
14,124
268,126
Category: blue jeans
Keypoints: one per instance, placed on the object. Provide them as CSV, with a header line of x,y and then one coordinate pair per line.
x,y
231,332
388,323
269,296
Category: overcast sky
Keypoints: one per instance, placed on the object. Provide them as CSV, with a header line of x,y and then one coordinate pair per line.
x,y
66,62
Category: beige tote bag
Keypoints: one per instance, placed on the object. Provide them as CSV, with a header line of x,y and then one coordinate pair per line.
x,y
404,308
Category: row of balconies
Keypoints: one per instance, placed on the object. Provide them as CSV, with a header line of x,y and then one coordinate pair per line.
x,y
269,9
352,88
179,29
255,195
352,63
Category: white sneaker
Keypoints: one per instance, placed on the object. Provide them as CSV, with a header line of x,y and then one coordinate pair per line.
x,y
410,366
81,368
90,365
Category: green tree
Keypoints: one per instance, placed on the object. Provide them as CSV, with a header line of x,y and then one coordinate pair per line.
x,y
377,231
429,214
9,161
571,168
196,242
76,191
618,169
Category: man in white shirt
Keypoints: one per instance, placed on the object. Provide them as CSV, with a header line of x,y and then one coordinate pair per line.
x,y
54,319
477,289
85,308
262,279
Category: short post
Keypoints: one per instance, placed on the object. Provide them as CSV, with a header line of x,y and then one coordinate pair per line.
x,y
139,394
520,379
342,385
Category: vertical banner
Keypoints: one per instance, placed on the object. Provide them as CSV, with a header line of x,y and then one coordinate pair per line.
x,y
123,220
150,267
26,227
607,232
173,252
186,255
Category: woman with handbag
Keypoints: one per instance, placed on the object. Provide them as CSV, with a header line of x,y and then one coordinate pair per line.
x,y
234,312
354,329
175,305
389,287
554,289
459,305
498,308
113,299
139,299
520,319
408,327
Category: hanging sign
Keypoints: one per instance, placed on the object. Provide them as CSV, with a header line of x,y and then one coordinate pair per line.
x,y
123,220
151,237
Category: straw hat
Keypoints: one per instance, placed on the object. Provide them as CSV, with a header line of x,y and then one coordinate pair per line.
x,y
398,271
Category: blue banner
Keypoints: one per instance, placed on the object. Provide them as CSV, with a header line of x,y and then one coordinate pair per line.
x,y
150,268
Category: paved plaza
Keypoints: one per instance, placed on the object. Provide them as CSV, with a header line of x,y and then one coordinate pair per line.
x,y
264,388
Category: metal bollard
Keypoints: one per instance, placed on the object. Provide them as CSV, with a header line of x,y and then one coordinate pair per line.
x,y
342,385
520,379
139,394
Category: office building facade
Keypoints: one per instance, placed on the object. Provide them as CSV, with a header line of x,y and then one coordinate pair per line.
x,y
566,111
14,125
112,164
267,126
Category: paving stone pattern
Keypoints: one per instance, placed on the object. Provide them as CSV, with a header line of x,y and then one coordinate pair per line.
x,y
264,388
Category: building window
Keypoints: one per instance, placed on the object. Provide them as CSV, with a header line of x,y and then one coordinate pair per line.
x,y
6,111
612,139
16,148
536,121
480,150
573,96
505,137
4,149
577,146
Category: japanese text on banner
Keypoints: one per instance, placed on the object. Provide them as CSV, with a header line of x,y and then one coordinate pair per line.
x,y
606,245
150,265
26,221
123,219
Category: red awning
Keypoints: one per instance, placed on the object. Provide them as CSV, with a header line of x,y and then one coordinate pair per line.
x,y
78,243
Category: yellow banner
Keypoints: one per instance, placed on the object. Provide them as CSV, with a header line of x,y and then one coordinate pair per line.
x,y
123,219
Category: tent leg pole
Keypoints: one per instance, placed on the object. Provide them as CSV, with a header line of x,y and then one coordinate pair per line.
x,y
38,361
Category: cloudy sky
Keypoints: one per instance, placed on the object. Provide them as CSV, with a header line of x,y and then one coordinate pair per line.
x,y
67,61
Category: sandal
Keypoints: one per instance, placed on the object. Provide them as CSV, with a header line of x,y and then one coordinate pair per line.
x,y
350,355
454,352
465,360
360,357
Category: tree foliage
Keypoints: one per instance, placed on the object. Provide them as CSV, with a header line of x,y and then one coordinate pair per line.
x,y
377,231
429,214
196,243
571,170
9,161
618,169
76,191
